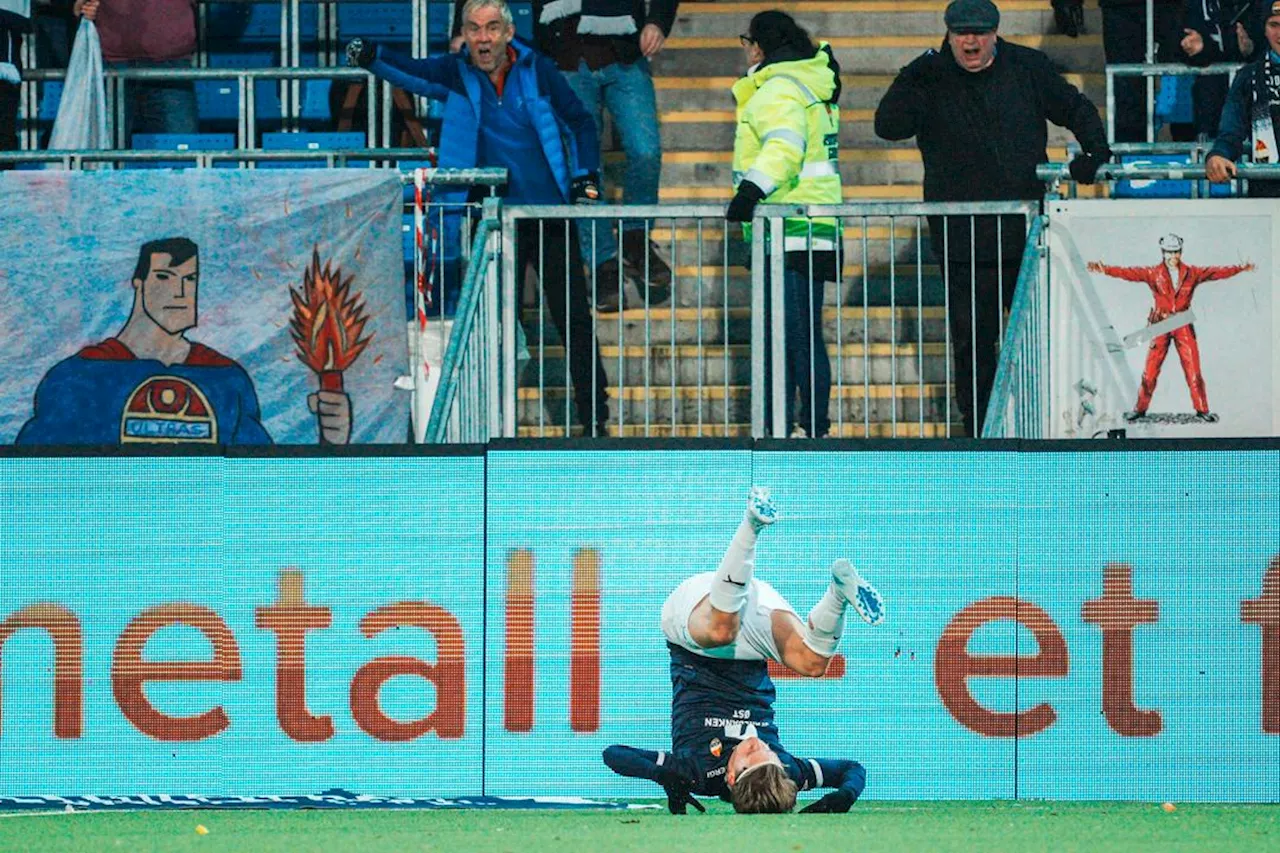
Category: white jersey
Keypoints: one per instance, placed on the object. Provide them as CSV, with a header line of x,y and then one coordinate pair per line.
x,y
755,637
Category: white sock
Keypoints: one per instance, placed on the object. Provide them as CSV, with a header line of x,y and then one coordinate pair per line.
x,y
733,577
826,622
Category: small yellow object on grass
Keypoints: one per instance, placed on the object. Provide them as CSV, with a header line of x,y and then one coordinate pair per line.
x,y
1169,807
201,829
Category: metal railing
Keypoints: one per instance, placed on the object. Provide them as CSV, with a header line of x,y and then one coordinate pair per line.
x,y
714,361
245,80
466,402
1151,70
1018,406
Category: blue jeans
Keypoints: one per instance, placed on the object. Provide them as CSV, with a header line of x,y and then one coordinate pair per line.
x,y
158,106
627,92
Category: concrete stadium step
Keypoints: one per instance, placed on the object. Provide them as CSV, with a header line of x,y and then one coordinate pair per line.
x,y
697,130
824,20
707,286
865,54
912,429
858,91
906,324
852,404
691,365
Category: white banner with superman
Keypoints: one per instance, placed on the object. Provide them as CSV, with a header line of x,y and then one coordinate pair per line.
x,y
205,306
1163,318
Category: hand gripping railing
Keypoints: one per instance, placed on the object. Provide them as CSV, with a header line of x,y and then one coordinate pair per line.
x,y
1016,408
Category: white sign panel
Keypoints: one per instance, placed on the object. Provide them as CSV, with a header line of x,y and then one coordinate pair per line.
x,y
1163,318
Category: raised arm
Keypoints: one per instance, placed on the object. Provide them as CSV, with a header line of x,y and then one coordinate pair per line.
x,y
1141,274
657,767
433,78
1199,275
847,777
902,110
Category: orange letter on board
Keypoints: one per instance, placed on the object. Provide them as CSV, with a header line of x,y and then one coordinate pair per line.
x,y
1264,611
290,618
518,679
584,654
448,673
68,661
129,672
953,666
1117,612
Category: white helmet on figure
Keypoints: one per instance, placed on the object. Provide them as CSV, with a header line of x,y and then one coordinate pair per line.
x,y
1171,243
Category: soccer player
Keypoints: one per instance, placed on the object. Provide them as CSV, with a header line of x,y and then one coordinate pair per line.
x,y
722,627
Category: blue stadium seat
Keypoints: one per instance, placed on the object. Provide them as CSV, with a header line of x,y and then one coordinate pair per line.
x,y
179,142
50,97
383,22
1164,189
307,141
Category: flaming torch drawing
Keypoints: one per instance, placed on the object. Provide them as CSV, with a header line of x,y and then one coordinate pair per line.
x,y
327,323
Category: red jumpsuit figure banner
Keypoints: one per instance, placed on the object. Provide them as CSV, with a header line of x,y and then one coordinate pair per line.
x,y
1171,299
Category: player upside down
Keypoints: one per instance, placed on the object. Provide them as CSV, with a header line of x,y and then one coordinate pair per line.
x,y
721,628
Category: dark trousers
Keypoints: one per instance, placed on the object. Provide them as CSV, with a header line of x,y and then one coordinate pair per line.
x,y
8,119
978,296
1124,39
1208,96
807,368
564,286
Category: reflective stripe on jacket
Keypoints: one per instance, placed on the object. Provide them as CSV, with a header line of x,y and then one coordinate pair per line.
x,y
787,139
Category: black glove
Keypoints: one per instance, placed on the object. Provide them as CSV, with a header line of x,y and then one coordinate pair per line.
x,y
361,53
679,794
586,189
744,202
1069,16
837,802
1085,166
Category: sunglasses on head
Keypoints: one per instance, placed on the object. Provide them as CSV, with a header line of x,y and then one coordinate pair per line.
x,y
746,40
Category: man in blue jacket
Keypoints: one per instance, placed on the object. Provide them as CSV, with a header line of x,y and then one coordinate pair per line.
x,y
507,106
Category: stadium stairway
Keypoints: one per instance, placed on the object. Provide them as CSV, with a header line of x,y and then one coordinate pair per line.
x,y
685,368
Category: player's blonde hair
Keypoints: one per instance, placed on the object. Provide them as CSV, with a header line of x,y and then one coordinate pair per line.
x,y
765,790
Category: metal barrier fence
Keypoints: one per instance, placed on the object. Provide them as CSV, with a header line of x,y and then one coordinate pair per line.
x,y
246,97
1019,399
708,362
1151,70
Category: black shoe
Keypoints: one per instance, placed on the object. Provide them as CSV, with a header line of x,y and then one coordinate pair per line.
x,y
636,248
1207,417
608,295
1135,415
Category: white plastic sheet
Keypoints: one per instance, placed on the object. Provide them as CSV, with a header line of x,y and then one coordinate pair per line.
x,y
82,112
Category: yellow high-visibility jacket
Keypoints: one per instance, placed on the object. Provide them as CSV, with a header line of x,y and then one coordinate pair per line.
x,y
787,140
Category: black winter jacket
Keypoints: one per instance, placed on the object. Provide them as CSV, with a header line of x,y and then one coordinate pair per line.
x,y
981,135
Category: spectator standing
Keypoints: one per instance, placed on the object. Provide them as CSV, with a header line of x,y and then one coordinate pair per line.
x,y
603,47
1218,31
1251,114
1124,40
507,106
977,108
786,151
149,34
15,21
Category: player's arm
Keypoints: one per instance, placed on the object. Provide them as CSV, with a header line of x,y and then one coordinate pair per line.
x,y
847,777
656,767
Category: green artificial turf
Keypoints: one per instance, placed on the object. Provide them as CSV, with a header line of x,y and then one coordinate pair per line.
x,y
982,827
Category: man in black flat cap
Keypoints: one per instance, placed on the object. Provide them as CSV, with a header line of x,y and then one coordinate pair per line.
x,y
977,107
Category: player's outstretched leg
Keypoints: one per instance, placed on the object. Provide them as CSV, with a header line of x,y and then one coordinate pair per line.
x,y
715,621
826,619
